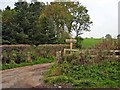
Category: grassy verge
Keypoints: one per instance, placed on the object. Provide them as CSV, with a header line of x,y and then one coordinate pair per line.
x,y
39,61
102,75
90,42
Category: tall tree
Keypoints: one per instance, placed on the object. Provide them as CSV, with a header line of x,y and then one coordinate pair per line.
x,y
73,15
57,12
46,33
8,33
27,22
81,20
0,26
108,36
23,20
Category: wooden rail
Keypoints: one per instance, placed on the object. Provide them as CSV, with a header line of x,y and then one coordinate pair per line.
x,y
71,50
114,53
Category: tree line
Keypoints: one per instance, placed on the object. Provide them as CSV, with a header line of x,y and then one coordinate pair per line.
x,y
39,23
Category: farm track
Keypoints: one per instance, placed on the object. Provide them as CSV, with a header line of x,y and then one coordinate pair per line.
x,y
24,77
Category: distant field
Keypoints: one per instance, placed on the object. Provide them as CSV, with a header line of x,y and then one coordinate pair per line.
x,y
90,42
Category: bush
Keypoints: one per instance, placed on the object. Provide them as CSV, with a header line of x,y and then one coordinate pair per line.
x,y
74,58
39,61
58,80
26,53
101,75
79,42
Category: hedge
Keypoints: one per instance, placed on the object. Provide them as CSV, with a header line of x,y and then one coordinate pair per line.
x,y
27,53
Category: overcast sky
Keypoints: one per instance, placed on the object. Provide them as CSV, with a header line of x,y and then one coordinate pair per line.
x,y
103,13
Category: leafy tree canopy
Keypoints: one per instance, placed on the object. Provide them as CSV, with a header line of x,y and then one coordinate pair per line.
x,y
39,23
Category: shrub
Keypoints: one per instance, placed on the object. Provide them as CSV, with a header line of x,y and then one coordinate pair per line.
x,y
25,53
58,79
39,61
103,74
79,42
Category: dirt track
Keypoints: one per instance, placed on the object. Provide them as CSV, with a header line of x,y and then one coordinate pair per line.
x,y
24,77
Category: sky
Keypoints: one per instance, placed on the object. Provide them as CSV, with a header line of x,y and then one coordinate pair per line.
x,y
103,13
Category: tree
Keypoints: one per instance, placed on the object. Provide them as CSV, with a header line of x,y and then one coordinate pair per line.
x,y
46,34
7,8
73,15
118,36
29,14
20,23
58,13
79,42
35,22
79,21
0,26
64,36
8,33
108,36
118,41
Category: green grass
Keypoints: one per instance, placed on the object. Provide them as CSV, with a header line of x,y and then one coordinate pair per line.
x,y
90,42
39,61
102,75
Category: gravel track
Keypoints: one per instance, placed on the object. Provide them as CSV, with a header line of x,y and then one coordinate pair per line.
x,y
24,77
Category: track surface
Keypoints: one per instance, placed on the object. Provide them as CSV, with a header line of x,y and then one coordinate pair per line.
x,y
24,77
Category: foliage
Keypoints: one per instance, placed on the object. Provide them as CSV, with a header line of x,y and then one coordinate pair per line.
x,y
109,44
101,75
63,37
38,61
108,36
81,21
46,33
92,68
19,24
74,58
39,23
58,13
7,18
79,42
20,54
73,15
58,79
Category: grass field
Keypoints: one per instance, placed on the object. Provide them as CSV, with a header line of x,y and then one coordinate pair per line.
x,y
90,42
